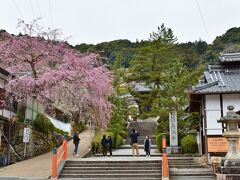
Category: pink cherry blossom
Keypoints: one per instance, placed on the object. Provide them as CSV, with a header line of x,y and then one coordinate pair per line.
x,y
52,71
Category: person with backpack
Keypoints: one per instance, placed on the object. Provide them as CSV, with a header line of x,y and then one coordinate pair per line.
x,y
76,141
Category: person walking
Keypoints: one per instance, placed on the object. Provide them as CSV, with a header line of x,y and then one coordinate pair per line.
x,y
104,143
110,145
134,142
147,145
76,141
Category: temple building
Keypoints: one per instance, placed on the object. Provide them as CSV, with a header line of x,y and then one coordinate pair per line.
x,y
218,88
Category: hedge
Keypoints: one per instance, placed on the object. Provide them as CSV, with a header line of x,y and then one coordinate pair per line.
x,y
189,144
43,124
119,141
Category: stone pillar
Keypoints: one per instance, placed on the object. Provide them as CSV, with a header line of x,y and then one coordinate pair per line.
x,y
173,128
173,148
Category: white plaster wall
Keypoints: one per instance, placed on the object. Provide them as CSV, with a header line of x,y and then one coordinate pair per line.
x,y
60,125
231,99
33,108
213,113
6,113
1,83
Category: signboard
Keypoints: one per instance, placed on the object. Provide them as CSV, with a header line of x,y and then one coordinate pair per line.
x,y
173,128
219,144
26,135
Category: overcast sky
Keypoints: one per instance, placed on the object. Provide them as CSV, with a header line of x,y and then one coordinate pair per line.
x,y
95,21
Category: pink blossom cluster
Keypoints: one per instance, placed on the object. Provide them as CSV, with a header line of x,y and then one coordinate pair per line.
x,y
54,72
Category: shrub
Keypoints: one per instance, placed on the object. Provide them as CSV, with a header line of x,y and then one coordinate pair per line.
x,y
43,124
124,134
59,131
119,141
96,141
181,135
189,144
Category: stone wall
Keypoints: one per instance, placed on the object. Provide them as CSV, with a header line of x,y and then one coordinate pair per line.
x,y
39,143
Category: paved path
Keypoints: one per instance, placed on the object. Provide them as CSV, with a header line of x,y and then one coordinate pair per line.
x,y
40,166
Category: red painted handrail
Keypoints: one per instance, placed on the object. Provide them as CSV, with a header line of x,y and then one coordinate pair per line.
x,y
165,170
58,156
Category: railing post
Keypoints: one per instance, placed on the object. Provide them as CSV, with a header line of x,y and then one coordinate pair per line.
x,y
54,164
165,172
65,148
164,141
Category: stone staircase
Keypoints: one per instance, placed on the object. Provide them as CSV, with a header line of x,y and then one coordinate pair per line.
x,y
112,170
124,167
189,166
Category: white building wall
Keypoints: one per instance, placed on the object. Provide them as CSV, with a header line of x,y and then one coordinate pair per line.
x,y
213,113
33,108
231,99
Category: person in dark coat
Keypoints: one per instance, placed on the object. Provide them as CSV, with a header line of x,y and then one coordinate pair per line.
x,y
104,143
134,142
110,145
147,146
76,141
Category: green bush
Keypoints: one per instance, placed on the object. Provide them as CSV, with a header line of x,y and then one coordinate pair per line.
x,y
119,141
189,144
59,131
96,141
43,124
181,135
159,140
124,134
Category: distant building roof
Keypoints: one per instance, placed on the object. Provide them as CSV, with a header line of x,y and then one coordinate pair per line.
x,y
230,57
219,79
141,87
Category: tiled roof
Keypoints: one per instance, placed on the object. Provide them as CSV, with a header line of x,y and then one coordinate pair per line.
x,y
141,87
219,79
233,57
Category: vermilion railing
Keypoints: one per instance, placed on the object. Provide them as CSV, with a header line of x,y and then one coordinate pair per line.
x,y
165,170
58,156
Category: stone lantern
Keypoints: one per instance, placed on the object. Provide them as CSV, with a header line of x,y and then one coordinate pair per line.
x,y
232,133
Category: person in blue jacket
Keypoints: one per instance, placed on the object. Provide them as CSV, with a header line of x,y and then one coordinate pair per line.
x,y
104,143
110,145
134,142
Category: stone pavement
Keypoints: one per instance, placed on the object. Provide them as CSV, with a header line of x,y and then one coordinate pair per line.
x,y
40,167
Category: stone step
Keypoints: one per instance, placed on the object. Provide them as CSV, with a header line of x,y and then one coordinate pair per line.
x,y
140,141
142,161
141,146
115,165
112,171
191,172
113,168
101,175
189,166
109,166
119,178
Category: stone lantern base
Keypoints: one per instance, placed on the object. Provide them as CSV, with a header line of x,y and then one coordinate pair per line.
x,y
230,170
